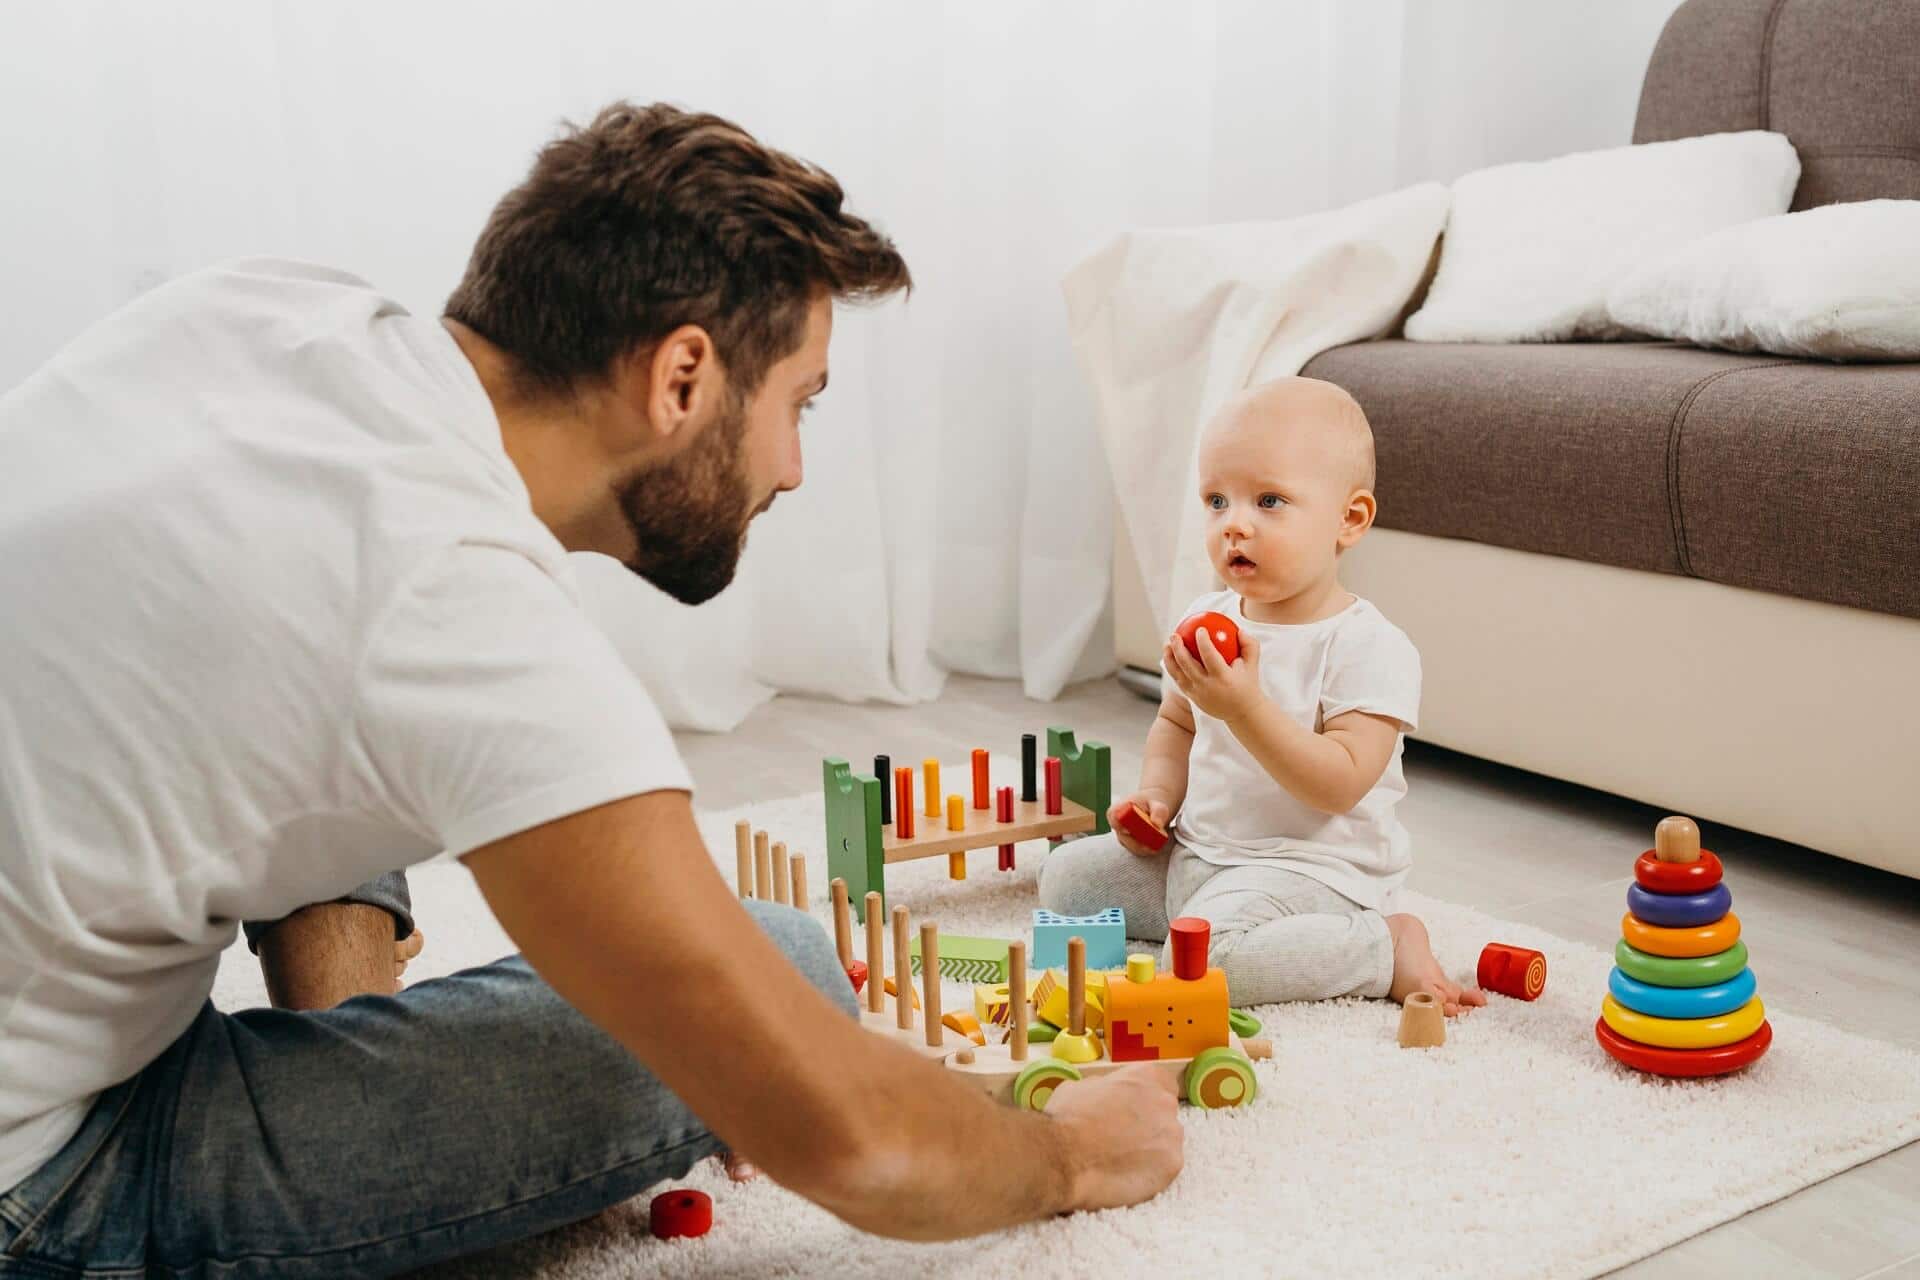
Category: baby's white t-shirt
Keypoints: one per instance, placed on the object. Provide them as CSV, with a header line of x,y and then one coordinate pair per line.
x,y
279,618
1236,813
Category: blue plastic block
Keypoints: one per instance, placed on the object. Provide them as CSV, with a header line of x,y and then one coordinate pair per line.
x,y
1106,935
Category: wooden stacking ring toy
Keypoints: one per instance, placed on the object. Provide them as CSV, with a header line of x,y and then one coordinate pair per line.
x,y
1669,971
1678,877
1702,941
1682,1002
1512,971
1684,1033
1679,910
1683,1062
680,1213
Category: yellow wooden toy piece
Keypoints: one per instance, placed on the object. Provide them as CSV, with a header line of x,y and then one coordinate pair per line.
x,y
913,994
990,1004
1165,1017
966,1024
1050,999
1684,1033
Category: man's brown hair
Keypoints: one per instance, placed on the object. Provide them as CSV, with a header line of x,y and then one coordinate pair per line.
x,y
651,218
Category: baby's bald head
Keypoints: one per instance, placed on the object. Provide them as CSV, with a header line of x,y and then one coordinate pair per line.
x,y
1312,421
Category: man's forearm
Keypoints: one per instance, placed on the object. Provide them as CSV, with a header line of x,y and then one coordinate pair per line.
x,y
326,953
1316,770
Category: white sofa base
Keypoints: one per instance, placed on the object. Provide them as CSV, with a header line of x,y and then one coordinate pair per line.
x,y
1778,715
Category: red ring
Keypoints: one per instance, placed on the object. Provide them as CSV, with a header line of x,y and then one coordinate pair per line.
x,y
1656,876
1684,1062
680,1213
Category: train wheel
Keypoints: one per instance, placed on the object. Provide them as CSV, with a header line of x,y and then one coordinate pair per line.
x,y
1034,1086
1220,1077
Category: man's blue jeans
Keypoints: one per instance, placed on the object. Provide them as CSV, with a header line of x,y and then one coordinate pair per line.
x,y
371,1138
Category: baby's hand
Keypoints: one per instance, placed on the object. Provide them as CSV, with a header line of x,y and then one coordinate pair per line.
x,y
1154,808
1224,692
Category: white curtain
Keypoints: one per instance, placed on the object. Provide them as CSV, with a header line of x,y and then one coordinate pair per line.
x,y
956,514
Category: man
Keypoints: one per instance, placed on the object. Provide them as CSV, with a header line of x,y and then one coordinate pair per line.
x,y
288,609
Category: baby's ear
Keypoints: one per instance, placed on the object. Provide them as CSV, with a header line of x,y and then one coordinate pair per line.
x,y
1361,509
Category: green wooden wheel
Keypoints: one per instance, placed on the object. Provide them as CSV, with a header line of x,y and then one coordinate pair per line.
x,y
1034,1086
1243,1024
1221,1077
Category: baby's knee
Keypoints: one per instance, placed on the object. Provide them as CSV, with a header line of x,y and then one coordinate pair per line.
x,y
1072,882
807,945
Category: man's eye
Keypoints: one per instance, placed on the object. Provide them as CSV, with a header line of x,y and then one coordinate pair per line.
x,y
1271,500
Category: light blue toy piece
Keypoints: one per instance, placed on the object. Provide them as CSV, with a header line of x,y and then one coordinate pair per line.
x,y
1106,935
1682,1002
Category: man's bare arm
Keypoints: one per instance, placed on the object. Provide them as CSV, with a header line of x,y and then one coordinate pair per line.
x,y
326,953
622,911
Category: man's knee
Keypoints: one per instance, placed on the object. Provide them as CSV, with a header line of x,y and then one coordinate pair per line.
x,y
807,945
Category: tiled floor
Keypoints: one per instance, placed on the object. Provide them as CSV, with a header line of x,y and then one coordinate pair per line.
x,y
1829,938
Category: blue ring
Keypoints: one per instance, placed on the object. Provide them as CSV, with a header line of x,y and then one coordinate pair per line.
x,y
1679,910
1682,1002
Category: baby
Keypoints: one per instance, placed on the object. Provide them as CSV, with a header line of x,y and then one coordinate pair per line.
x,y
1278,773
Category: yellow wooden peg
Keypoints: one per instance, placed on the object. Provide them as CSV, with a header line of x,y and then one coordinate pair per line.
x,y
930,771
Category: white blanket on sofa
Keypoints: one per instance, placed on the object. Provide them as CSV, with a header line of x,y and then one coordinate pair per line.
x,y
1169,324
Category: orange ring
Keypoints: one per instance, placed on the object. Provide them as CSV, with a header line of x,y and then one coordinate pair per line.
x,y
1704,940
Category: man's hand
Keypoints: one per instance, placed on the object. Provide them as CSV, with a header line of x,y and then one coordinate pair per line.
x,y
404,951
1224,692
1123,1133
1154,806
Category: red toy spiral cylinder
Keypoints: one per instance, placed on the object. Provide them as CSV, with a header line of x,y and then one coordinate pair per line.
x,y
1190,936
1513,971
680,1213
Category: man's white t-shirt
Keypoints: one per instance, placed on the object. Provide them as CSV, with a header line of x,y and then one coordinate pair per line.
x,y
1236,813
278,618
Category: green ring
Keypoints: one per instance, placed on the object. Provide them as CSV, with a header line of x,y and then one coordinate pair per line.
x,y
1242,1023
1680,971
1046,1071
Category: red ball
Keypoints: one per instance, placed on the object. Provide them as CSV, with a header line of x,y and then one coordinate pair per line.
x,y
1226,636
680,1213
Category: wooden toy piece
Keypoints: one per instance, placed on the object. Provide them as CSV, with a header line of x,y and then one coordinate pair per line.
x,y
903,803
762,867
1003,810
1684,1033
1684,1062
876,957
1150,834
1679,910
1677,877
889,986
930,980
1017,981
855,847
1190,936
1054,795
1512,971
1258,1050
1715,1001
883,770
981,789
1075,1044
1029,778
1423,1023
682,1214
966,1024
1683,971
1221,1076
956,812
1704,940
965,959
1086,773
743,856
1050,996
963,1057
1105,933
782,870
957,865
1676,839
1225,634
930,770
1030,822
1153,1017
842,922
902,972
797,877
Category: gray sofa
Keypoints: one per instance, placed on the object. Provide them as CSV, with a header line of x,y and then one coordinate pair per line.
x,y
1690,577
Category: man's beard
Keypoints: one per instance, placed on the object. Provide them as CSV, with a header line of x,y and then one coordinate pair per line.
x,y
689,513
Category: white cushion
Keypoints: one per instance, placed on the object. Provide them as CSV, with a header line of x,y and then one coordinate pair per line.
x,y
1841,282
1531,249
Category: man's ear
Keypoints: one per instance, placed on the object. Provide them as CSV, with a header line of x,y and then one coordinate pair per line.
x,y
680,382
1358,518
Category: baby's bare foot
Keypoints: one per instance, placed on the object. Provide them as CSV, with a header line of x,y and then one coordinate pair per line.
x,y
1415,969
739,1168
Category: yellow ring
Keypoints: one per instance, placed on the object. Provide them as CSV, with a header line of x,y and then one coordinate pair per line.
x,y
1705,940
1684,1033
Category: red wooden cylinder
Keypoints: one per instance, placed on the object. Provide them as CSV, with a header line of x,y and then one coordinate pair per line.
x,y
903,802
1513,971
982,792
1053,785
1004,812
1190,935
680,1213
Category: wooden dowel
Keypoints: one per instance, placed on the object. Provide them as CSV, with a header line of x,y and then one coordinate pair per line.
x,y
1017,999
842,922
797,876
876,956
762,867
743,856
1076,986
782,891
930,981
902,971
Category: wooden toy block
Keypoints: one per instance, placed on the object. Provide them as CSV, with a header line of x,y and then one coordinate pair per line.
x,y
991,1003
797,877
1055,797
1017,981
965,959
1423,1023
903,802
966,1024
1676,839
1052,999
930,769
1166,1016
883,770
876,957
782,870
857,975
762,867
1512,971
1150,834
1087,773
1029,769
1190,937
855,849
1106,935
980,782
743,856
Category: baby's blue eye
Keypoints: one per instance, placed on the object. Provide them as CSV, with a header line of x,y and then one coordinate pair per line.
x,y
1271,500
1216,502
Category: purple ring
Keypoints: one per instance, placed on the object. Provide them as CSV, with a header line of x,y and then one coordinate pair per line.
x,y
1679,910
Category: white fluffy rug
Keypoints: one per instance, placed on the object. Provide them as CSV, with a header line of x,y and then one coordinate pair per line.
x,y
1518,1149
